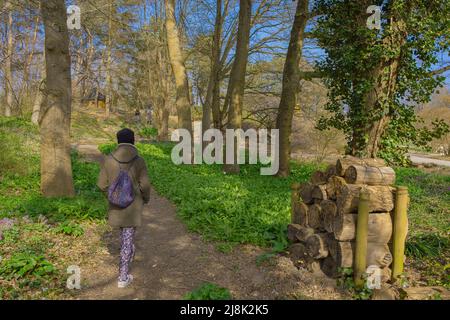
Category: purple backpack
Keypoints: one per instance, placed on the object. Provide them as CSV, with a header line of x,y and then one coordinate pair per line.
x,y
121,191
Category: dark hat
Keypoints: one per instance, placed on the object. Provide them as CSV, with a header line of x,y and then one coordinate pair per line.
x,y
125,136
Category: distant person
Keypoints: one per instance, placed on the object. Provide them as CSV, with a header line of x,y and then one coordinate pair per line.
x,y
149,112
137,116
124,177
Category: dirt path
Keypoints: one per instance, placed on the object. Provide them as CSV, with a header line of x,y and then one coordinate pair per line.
x,y
170,261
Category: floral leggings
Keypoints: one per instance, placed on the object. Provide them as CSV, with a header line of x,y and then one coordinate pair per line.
x,y
127,250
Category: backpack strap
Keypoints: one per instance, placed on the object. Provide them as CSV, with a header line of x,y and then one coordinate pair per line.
x,y
125,162
127,170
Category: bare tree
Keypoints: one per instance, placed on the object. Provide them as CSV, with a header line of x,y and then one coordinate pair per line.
x,y
8,60
290,90
56,167
237,77
183,101
109,60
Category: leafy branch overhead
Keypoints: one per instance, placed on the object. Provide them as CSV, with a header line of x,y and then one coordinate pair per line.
x,y
376,78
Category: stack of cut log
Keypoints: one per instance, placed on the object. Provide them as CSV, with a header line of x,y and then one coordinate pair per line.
x,y
324,216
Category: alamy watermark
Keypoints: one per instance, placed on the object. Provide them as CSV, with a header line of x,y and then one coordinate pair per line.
x,y
74,280
373,280
374,21
235,147
73,17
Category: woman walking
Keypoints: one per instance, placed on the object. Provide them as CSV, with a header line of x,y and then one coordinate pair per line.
x,y
124,177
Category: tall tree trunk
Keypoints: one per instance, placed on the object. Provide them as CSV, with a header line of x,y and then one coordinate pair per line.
x,y
27,64
56,167
237,76
375,102
8,61
291,80
108,62
383,90
40,95
183,102
212,102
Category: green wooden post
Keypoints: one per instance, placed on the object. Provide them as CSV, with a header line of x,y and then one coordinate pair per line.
x,y
362,227
400,229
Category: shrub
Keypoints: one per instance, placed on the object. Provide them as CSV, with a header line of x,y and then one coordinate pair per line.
x,y
22,264
70,228
148,132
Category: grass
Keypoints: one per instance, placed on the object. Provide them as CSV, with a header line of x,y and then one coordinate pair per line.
x,y
34,252
429,209
250,208
20,195
208,291
229,209
428,244
244,208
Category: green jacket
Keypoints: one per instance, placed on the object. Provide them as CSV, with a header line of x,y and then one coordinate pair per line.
x,y
131,216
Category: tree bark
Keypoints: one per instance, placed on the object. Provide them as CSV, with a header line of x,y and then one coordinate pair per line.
x,y
343,164
381,198
343,252
318,177
329,212
291,79
40,95
237,77
319,192
373,176
379,230
108,62
300,214
8,61
183,101
306,192
315,216
317,246
333,185
384,76
29,60
212,102
56,167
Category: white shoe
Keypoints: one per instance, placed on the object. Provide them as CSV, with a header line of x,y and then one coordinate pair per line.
x,y
126,283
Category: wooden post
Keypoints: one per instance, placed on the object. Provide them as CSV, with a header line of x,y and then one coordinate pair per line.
x,y
362,227
295,198
400,228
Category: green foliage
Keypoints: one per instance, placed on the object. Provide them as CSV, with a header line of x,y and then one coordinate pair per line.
x,y
148,132
208,291
70,228
11,235
427,245
358,58
15,137
345,280
20,194
107,148
244,208
429,208
23,264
